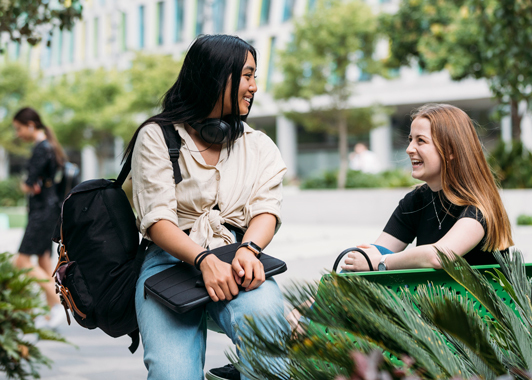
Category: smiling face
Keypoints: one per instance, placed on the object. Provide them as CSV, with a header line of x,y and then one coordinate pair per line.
x,y
426,161
246,90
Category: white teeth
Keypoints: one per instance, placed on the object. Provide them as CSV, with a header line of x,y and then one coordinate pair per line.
x,y
248,99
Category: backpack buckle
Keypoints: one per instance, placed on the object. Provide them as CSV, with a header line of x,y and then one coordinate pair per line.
x,y
174,154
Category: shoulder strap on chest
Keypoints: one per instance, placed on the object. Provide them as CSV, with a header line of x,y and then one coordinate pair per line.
x,y
173,142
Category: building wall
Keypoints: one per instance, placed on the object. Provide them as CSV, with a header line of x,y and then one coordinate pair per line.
x,y
112,30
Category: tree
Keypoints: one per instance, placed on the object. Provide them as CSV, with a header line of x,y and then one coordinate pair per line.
x,y
91,104
150,76
487,39
86,106
18,88
29,20
328,42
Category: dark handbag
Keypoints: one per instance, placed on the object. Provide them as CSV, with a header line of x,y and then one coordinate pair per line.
x,y
181,287
346,251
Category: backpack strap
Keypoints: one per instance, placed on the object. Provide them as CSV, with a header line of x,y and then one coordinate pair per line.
x,y
135,341
173,142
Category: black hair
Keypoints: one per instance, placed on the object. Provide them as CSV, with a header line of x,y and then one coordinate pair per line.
x,y
27,114
208,64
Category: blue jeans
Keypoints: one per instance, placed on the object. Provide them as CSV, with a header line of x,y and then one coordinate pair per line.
x,y
174,344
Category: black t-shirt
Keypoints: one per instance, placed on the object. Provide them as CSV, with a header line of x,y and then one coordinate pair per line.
x,y
41,170
416,217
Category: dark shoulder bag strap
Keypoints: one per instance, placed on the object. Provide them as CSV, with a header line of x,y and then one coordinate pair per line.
x,y
173,142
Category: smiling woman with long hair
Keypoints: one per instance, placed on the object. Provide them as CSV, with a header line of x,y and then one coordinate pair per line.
x,y
230,192
457,210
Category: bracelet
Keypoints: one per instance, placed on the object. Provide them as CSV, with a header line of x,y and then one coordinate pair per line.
x,y
200,257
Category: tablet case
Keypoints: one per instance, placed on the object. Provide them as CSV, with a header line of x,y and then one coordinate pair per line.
x,y
181,287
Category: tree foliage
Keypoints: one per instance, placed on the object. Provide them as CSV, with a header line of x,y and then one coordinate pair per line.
x,y
328,44
150,76
87,106
18,88
29,20
488,39
437,332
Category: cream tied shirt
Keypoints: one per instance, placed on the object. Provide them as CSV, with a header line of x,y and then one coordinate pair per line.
x,y
243,184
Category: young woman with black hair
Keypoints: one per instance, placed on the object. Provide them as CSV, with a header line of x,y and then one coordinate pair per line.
x,y
231,191
43,205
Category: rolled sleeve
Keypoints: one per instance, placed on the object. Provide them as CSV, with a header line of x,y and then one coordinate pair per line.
x,y
154,191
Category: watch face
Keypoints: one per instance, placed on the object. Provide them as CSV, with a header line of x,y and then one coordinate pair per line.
x,y
382,266
255,247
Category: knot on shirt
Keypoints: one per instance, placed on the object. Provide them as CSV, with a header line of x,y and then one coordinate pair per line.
x,y
210,226
216,221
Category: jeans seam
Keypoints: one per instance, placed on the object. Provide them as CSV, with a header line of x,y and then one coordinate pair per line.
x,y
233,321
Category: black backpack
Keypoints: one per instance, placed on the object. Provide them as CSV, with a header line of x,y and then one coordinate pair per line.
x,y
99,252
70,178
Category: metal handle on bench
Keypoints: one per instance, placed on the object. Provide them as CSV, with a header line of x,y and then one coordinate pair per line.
x,y
345,252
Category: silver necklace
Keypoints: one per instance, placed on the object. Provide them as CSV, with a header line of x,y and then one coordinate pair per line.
x,y
436,212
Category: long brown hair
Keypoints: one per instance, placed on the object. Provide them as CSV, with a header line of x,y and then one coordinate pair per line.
x,y
466,177
27,114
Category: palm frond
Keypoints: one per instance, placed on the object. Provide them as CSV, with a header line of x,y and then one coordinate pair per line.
x,y
507,324
456,317
515,282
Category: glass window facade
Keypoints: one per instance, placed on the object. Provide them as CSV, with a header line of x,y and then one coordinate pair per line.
x,y
141,26
70,43
179,12
271,64
96,37
288,9
265,12
242,14
200,16
160,23
123,31
47,53
218,16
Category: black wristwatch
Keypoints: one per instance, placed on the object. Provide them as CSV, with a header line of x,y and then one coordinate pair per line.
x,y
252,247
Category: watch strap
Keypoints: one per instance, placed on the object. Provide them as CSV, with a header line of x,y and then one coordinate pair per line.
x,y
252,247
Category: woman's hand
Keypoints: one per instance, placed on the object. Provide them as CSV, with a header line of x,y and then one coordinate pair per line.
x,y
248,268
35,189
355,262
219,279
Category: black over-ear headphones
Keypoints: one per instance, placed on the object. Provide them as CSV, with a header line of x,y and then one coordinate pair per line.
x,y
213,131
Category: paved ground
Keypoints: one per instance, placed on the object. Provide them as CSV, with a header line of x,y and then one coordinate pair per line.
x,y
317,226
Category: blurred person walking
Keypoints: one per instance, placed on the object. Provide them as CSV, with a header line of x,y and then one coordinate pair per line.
x,y
364,160
43,206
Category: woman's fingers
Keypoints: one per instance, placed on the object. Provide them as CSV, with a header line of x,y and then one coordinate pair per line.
x,y
248,276
218,277
258,276
212,294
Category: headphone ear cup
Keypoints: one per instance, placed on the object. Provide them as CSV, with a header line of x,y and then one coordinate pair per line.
x,y
213,131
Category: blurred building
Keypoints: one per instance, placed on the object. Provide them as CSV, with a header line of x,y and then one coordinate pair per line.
x,y
112,30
